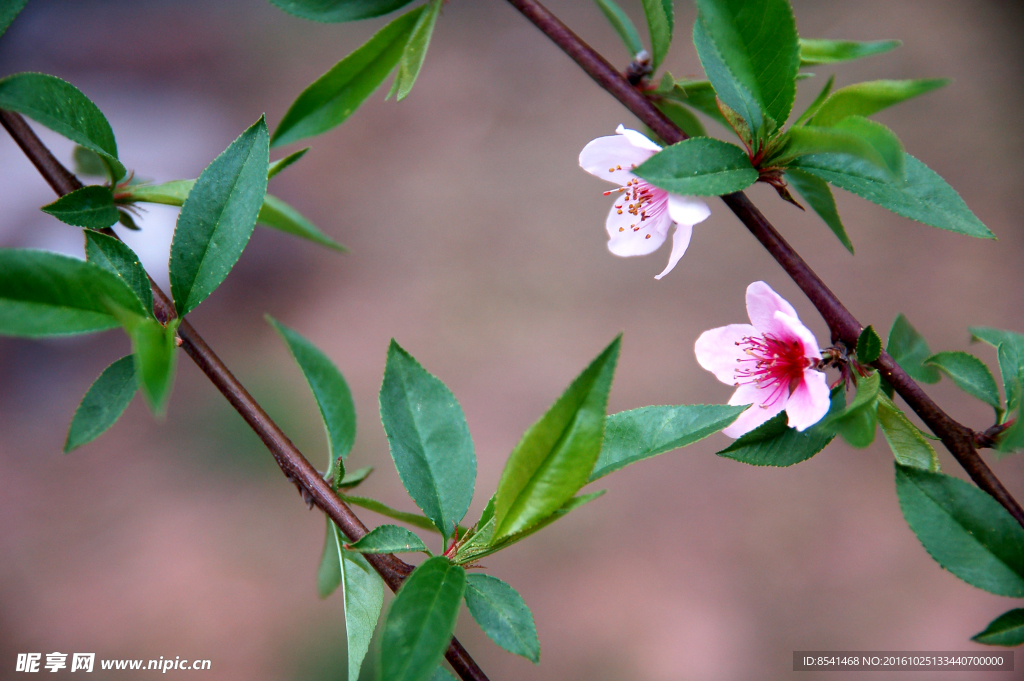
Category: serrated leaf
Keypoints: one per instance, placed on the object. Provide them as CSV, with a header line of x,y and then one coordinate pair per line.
x,y
282,163
555,456
970,374
335,95
817,51
758,45
415,50
639,434
388,539
862,139
869,345
113,255
818,196
331,11
774,444
623,26
865,99
329,388
420,622
103,403
503,615
726,88
8,11
429,440
354,478
660,21
1005,630
154,349
218,217
47,294
702,166
1010,350
92,207
924,196
908,444
61,107
89,163
910,350
964,529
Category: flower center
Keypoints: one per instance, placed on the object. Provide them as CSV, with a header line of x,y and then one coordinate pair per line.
x,y
771,364
641,200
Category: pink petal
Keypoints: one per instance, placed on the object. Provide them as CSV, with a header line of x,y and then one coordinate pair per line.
x,y
687,211
718,352
637,139
612,158
757,414
809,403
680,240
762,304
624,241
790,328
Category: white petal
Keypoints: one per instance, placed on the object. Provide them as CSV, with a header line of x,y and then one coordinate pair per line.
x,y
790,328
809,402
718,352
686,210
624,241
763,303
680,240
612,158
637,139
755,415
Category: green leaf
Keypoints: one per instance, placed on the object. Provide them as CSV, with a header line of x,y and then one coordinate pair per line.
x,y
842,139
964,529
413,519
1005,630
332,395
1010,350
354,478
857,424
639,434
442,674
154,348
89,163
282,163
47,294
869,345
883,140
171,193
696,94
61,107
113,255
278,215
684,119
328,574
910,350
773,444
908,444
335,95
816,104
415,50
363,591
388,539
758,46
622,25
970,374
420,622
218,217
818,195
865,99
660,21
103,404
8,11
331,11
554,458
429,440
503,615
726,88
699,167
817,51
924,196
92,207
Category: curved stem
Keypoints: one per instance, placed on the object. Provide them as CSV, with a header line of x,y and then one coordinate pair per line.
x,y
313,488
957,438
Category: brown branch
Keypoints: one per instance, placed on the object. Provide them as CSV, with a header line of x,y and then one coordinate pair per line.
x,y
957,438
294,465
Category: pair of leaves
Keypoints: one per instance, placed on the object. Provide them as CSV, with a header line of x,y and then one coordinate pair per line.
x,y
660,17
1010,351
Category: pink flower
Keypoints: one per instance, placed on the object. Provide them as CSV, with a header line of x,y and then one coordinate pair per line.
x,y
770,361
641,214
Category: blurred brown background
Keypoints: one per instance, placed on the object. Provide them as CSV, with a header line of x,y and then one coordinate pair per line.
x,y
479,245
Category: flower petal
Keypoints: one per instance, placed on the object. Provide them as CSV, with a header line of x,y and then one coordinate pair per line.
x,y
637,139
686,210
762,304
624,240
809,403
613,157
718,350
790,328
757,414
680,240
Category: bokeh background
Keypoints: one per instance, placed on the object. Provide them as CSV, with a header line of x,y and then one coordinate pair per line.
x,y
478,243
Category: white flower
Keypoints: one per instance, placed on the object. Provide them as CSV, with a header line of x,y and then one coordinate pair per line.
x,y
641,215
770,361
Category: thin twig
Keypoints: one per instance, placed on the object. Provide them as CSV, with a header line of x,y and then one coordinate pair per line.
x,y
294,465
957,438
